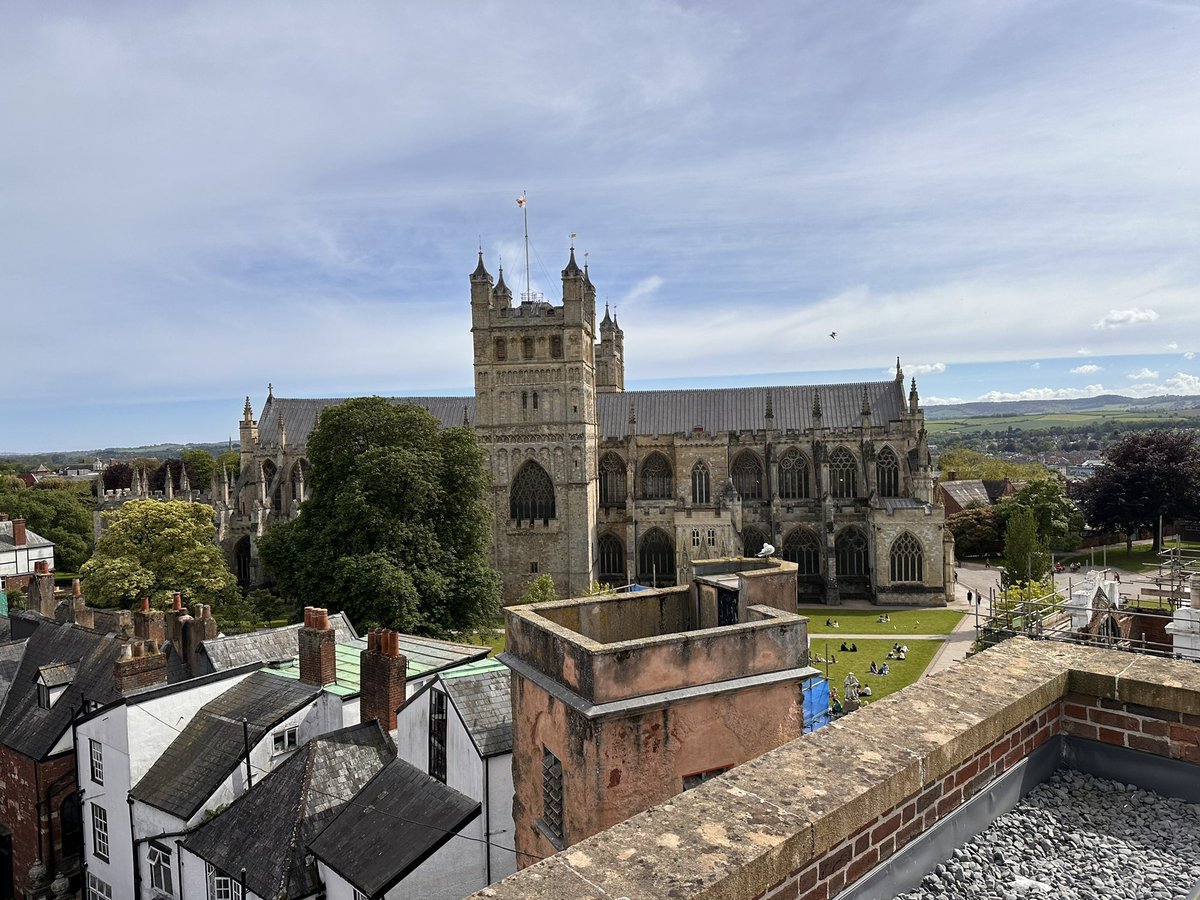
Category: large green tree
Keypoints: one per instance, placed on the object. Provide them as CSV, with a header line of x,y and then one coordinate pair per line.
x,y
1058,519
151,548
965,464
60,511
200,467
977,530
397,529
1026,551
1148,477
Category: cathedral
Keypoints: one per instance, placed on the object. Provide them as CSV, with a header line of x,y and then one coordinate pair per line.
x,y
593,483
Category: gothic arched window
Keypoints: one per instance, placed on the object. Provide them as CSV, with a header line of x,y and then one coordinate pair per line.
x,y
524,399
271,484
556,347
747,476
908,561
501,350
656,559
612,560
887,473
612,480
535,400
700,484
527,348
843,473
793,476
531,497
300,479
656,478
850,550
803,549
752,541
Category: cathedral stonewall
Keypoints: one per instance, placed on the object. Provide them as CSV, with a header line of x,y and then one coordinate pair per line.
x,y
591,482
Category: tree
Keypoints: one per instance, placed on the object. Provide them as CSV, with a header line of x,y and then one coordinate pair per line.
x,y
396,531
1026,553
60,511
232,461
966,464
151,548
1148,476
541,590
200,466
976,529
1058,518
118,476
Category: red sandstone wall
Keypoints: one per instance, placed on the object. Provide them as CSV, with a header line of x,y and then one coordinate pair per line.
x,y
35,827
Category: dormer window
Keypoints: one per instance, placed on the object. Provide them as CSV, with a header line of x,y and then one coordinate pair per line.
x,y
43,691
52,682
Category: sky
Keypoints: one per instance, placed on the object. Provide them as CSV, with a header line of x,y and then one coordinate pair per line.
x,y
201,198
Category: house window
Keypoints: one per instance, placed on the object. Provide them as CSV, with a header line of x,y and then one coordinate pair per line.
x,y
359,895
97,754
97,889
712,537
907,560
437,735
552,797
533,568
43,695
159,858
100,832
695,537
556,347
225,888
698,778
284,740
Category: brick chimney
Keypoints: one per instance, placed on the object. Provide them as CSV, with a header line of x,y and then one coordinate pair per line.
x,y
141,664
148,623
41,590
78,611
174,631
18,532
383,677
197,629
317,655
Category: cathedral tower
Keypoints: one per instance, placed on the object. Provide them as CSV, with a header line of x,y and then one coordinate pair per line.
x,y
535,390
610,355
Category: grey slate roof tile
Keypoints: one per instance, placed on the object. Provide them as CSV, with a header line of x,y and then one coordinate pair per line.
x,y
267,830
57,674
658,412
33,539
11,654
270,643
24,725
394,823
211,745
485,703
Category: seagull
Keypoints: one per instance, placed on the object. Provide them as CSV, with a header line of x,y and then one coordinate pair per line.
x,y
833,334
766,551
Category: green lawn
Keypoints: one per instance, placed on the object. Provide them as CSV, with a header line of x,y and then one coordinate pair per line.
x,y
1039,421
903,672
865,621
492,638
1142,559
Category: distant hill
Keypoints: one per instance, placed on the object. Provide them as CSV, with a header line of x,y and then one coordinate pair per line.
x,y
1110,403
154,451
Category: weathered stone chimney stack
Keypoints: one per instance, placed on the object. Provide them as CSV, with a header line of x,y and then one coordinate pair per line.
x,y
317,653
141,664
383,677
41,590
18,532
172,626
79,613
148,624
197,628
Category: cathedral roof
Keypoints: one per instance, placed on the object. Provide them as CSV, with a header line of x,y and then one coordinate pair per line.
x,y
658,412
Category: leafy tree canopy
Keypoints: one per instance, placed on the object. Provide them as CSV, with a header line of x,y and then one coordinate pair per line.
x,y
117,476
232,461
1026,552
541,590
151,548
200,467
396,532
967,464
976,529
1147,477
1058,518
58,510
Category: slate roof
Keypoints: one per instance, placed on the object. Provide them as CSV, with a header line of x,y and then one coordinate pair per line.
x,y
658,412
57,674
269,643
394,824
425,656
211,745
975,490
32,539
484,700
11,654
268,829
24,725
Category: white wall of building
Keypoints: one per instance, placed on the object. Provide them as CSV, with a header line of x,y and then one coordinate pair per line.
x,y
20,560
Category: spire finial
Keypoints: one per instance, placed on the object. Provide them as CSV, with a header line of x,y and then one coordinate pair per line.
x,y
632,414
816,407
899,371
247,411
770,413
270,391
866,402
466,421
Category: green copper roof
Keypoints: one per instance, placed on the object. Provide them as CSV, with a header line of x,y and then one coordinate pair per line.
x,y
479,666
424,655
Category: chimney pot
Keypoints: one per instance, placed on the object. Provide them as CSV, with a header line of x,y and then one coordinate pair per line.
x,y
177,601
145,603
126,652
76,588
372,641
151,647
138,648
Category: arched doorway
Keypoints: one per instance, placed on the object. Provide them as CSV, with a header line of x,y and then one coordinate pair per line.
x,y
656,559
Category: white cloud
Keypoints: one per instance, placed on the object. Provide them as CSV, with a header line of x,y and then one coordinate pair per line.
x,y
1143,374
642,290
1086,369
1036,365
1179,383
1115,318
919,369
1045,393
1191,354
1172,346
943,401
1083,351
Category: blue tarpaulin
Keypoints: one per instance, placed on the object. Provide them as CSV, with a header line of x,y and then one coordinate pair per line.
x,y
816,703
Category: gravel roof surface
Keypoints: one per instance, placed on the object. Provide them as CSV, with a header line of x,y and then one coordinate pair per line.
x,y
1077,836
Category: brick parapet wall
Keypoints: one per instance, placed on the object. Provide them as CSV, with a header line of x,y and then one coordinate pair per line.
x,y
805,820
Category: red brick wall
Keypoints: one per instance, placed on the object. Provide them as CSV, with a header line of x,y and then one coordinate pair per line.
x,y
1161,732
35,826
872,844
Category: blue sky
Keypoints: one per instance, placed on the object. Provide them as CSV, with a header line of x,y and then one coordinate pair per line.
x,y
197,199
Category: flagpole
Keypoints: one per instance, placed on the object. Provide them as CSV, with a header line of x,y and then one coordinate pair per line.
x,y
525,209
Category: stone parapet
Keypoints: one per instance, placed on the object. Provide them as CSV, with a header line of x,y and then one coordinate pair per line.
x,y
806,820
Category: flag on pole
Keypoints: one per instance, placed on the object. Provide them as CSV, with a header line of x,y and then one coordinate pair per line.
x,y
521,200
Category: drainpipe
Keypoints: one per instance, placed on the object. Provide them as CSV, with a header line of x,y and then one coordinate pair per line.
x,y
487,819
246,746
137,868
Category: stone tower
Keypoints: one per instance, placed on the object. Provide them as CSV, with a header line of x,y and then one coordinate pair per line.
x,y
535,389
610,354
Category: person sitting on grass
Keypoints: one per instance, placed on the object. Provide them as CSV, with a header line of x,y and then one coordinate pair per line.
x,y
866,691
885,669
874,668
853,647
844,648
